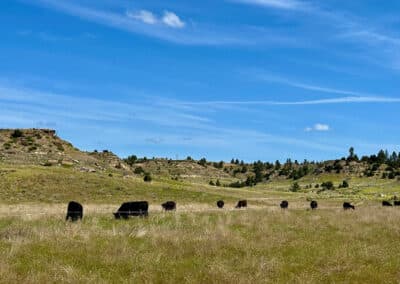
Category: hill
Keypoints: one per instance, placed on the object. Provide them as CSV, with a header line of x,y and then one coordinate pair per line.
x,y
43,147
41,153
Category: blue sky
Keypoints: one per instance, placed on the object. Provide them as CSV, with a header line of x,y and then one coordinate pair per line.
x,y
250,79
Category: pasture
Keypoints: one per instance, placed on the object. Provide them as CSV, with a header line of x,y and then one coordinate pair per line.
x,y
201,244
197,243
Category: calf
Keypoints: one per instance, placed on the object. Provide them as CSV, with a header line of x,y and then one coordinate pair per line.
x,y
386,203
74,211
396,203
284,204
169,205
347,205
136,208
241,203
314,205
220,204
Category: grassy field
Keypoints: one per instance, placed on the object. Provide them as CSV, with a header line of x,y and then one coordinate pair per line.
x,y
198,243
209,246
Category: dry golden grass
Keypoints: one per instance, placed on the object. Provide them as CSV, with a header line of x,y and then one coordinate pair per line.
x,y
198,244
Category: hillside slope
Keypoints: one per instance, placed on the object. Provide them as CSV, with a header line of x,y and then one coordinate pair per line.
x,y
43,147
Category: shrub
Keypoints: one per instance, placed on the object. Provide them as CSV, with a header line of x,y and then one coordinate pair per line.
x,y
218,183
295,187
147,177
130,160
328,185
59,146
32,148
202,162
16,133
211,183
138,170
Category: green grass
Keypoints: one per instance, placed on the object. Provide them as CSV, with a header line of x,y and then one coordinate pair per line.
x,y
246,246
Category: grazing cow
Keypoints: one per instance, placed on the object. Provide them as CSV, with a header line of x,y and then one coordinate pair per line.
x,y
284,204
347,206
241,203
396,203
74,211
314,205
136,208
220,203
386,203
169,205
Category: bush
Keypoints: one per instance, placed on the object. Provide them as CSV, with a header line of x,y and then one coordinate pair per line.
x,y
147,177
211,183
295,187
16,133
218,183
138,170
202,162
130,160
32,148
344,184
59,146
218,165
328,185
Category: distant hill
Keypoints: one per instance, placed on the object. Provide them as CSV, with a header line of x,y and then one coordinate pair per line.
x,y
42,147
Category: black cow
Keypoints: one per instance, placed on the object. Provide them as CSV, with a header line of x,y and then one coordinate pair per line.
x,y
347,205
169,205
241,203
136,208
74,211
396,203
386,203
284,204
220,203
314,205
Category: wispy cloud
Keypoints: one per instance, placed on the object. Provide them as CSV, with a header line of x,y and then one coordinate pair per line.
x,y
309,87
342,100
318,127
155,123
169,19
51,37
373,40
279,4
146,17
170,27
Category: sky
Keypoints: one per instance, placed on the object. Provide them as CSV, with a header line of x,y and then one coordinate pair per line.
x,y
221,79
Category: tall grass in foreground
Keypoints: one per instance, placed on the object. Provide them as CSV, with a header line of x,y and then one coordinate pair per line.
x,y
245,246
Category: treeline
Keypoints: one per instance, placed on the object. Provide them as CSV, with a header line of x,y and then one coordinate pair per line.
x,y
258,171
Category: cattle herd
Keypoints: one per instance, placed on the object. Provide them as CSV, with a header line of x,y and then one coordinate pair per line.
x,y
141,208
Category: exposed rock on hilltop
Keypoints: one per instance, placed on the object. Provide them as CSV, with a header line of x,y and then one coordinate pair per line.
x,y
44,147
